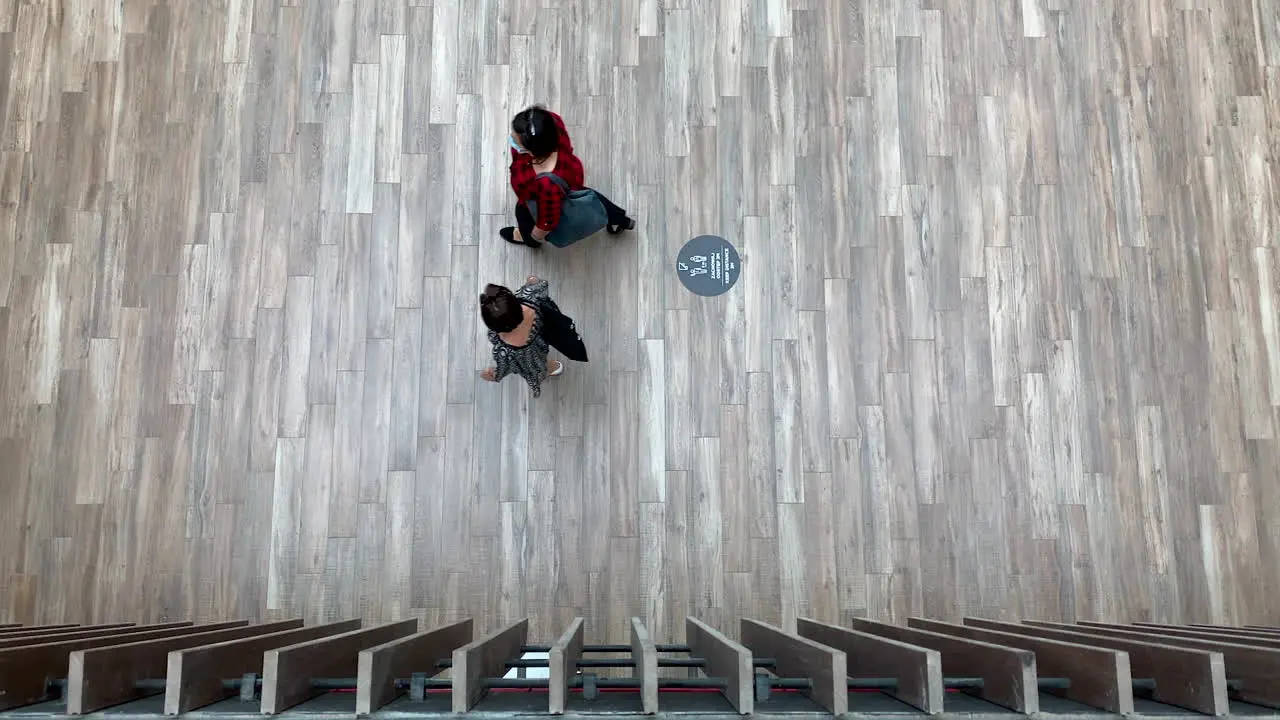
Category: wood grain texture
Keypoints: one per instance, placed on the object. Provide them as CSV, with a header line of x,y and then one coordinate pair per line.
x,y
1099,677
485,657
193,676
918,670
1008,297
1188,678
562,663
725,659
287,671
380,666
1008,674
798,656
106,676
645,655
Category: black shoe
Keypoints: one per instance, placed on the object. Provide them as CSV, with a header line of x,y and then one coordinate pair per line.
x,y
627,224
509,234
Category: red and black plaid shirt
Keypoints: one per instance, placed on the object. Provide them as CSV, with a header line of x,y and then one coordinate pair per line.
x,y
528,186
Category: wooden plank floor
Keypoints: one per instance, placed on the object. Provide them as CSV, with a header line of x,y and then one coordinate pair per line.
x,y
1006,342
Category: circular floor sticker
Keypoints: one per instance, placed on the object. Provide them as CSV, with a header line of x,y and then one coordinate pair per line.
x,y
708,265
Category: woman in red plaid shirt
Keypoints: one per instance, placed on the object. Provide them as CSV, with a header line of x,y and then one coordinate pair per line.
x,y
540,144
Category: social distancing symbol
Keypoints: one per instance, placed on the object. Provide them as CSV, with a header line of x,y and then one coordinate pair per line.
x,y
708,265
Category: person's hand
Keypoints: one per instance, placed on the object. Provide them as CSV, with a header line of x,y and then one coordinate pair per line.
x,y
489,374
539,234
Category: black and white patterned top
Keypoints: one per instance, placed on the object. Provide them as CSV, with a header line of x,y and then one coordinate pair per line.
x,y
529,361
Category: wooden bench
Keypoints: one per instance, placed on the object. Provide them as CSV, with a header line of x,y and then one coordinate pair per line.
x,y
725,658
101,677
287,671
918,670
379,666
562,665
1008,674
486,657
194,675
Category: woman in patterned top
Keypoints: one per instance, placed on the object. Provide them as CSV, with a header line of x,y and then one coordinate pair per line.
x,y
540,144
515,331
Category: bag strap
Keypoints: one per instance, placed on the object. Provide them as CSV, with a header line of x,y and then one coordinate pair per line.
x,y
555,179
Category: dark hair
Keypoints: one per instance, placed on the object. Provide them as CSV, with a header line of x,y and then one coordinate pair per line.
x,y
537,131
500,308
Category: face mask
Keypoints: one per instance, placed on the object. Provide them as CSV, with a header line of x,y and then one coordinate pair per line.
x,y
511,141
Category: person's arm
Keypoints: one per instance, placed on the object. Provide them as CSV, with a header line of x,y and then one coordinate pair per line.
x,y
550,205
534,289
501,366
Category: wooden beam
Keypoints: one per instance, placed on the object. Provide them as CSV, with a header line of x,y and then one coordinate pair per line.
x,y
25,671
725,658
378,667
1099,677
83,634
645,654
1193,679
1008,674
486,657
6,626
562,664
101,677
799,657
8,631
1272,643
1257,668
194,675
287,671
1265,632
917,669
